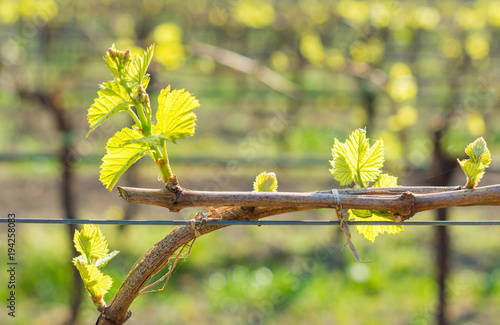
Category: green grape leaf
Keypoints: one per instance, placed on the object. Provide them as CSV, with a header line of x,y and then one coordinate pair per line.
x,y
97,284
355,160
120,155
478,152
104,261
266,182
371,232
137,68
175,117
90,242
479,160
113,98
386,180
473,170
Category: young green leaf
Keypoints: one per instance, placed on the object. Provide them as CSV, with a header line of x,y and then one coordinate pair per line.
x,y
265,182
371,232
113,98
96,283
175,117
90,242
136,70
478,152
104,261
386,180
355,160
474,172
120,155
479,160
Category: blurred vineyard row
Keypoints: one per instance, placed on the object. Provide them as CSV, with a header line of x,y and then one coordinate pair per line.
x,y
404,69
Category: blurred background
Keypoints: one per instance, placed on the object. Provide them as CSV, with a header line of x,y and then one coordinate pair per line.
x,y
277,82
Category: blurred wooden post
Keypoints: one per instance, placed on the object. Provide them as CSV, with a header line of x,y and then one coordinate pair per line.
x,y
51,102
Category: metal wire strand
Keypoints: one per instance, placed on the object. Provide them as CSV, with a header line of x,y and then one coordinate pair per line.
x,y
254,223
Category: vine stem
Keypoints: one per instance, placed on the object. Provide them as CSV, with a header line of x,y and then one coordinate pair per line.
x,y
155,259
165,169
402,201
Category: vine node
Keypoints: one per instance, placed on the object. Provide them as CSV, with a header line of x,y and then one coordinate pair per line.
x,y
410,200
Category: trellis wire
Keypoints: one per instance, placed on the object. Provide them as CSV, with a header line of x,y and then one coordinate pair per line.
x,y
254,223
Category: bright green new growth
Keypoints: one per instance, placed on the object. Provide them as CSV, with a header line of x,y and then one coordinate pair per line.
x,y
127,92
355,160
371,232
266,182
121,153
175,114
479,160
112,99
92,245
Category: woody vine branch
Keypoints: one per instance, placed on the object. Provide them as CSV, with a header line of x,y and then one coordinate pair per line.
x,y
402,201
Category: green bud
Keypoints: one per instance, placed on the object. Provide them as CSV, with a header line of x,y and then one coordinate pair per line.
x,y
142,96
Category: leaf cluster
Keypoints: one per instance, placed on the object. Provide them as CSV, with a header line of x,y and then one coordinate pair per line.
x,y
266,182
479,160
92,245
355,160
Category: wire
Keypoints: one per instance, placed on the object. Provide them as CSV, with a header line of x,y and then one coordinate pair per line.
x,y
254,223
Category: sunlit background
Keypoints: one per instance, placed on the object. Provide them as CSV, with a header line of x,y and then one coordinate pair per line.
x,y
277,82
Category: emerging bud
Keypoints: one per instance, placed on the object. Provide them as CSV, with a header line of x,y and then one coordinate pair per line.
x,y
142,96
123,57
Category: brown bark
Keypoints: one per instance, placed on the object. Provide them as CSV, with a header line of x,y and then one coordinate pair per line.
x,y
401,201
157,257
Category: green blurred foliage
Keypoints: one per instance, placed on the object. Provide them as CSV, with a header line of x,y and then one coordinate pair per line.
x,y
401,68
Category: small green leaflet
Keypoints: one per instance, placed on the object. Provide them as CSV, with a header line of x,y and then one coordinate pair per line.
x,y
479,160
137,68
121,153
266,182
91,243
478,151
355,160
113,98
96,283
371,232
175,117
